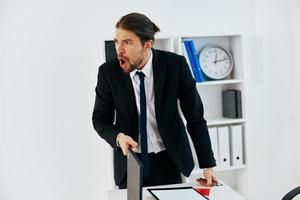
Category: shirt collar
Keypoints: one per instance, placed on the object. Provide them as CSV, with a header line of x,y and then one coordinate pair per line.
x,y
147,69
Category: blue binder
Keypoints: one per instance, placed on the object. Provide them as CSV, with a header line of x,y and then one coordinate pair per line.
x,y
194,61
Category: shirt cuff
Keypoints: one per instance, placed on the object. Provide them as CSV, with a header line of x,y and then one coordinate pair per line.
x,y
117,140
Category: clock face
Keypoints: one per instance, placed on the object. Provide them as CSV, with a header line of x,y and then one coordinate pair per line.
x,y
215,62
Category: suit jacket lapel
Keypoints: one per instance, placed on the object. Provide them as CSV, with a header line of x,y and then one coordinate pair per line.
x,y
129,98
158,78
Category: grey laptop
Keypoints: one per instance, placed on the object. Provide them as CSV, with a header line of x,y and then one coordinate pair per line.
x,y
134,177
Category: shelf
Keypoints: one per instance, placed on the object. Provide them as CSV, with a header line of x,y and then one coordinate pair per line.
x,y
221,82
197,172
216,169
211,35
230,168
223,121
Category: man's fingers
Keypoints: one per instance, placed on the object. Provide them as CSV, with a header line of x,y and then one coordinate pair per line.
x,y
125,149
214,179
209,176
134,149
132,143
209,181
128,142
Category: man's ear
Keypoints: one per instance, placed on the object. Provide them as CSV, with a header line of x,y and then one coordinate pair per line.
x,y
148,44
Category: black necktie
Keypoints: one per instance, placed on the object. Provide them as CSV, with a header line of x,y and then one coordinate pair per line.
x,y
143,125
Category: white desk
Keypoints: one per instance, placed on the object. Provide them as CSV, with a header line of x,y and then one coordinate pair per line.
x,y
216,193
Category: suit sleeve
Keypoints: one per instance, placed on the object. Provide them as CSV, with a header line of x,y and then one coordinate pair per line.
x,y
192,108
104,111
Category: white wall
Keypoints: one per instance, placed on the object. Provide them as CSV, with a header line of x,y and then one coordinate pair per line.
x,y
296,72
270,111
49,58
49,55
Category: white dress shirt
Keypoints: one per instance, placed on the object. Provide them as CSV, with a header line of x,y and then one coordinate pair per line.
x,y
154,141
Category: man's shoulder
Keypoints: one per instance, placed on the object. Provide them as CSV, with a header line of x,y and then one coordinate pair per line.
x,y
110,66
166,54
167,58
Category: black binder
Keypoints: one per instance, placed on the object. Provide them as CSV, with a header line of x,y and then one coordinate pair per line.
x,y
110,50
232,103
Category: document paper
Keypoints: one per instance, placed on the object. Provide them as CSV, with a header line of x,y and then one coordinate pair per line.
x,y
177,194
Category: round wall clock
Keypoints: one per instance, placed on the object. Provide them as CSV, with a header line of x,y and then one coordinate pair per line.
x,y
216,62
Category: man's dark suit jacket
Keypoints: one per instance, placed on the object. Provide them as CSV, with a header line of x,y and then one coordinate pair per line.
x,y
172,81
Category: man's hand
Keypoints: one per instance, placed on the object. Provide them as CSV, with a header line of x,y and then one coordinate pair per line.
x,y
126,142
209,179
208,174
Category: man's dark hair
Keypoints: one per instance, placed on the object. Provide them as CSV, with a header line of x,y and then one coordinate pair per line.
x,y
139,24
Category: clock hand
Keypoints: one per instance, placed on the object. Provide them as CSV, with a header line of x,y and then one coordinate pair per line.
x,y
216,58
221,60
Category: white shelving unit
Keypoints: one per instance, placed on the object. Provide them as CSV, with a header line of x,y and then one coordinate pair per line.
x,y
220,82
211,95
164,43
223,121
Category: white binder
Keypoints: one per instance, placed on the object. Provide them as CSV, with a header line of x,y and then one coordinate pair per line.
x,y
213,134
224,156
236,147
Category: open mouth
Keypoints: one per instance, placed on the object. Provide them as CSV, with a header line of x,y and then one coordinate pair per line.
x,y
122,62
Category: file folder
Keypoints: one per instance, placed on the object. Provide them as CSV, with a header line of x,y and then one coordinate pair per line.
x,y
185,54
213,134
193,58
236,145
223,136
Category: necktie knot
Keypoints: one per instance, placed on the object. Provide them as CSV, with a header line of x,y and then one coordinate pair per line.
x,y
141,75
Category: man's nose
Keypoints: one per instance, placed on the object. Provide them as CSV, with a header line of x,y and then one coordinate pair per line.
x,y
120,49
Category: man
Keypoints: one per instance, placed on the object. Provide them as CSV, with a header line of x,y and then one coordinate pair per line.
x,y
141,88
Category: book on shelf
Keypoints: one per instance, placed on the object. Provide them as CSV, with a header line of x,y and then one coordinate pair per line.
x,y
194,61
238,98
232,103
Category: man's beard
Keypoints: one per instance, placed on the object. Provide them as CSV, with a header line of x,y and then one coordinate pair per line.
x,y
133,66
